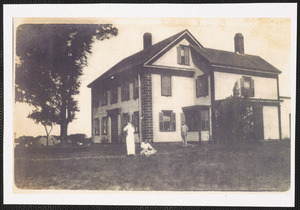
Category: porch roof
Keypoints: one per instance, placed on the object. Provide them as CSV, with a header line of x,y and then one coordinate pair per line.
x,y
195,107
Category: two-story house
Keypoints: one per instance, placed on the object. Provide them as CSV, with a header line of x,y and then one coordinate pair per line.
x,y
178,80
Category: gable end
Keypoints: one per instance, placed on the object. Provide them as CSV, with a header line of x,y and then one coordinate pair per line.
x,y
186,35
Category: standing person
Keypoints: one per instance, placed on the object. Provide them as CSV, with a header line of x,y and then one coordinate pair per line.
x,y
184,131
130,139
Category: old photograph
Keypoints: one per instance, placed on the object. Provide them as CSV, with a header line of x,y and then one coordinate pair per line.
x,y
152,105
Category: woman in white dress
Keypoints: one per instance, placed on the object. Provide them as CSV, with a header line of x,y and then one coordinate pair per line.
x,y
130,139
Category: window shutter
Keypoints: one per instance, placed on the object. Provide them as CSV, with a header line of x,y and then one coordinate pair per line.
x,y
116,94
186,56
197,87
165,85
173,121
112,95
169,86
178,54
122,121
201,85
122,91
127,91
252,88
102,127
173,118
135,88
160,121
242,86
205,85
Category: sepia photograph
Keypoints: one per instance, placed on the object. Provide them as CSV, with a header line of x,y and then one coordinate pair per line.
x,y
152,105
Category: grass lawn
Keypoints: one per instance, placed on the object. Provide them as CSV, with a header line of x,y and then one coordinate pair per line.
x,y
262,166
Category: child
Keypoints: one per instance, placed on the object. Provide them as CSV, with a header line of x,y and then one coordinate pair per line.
x,y
147,149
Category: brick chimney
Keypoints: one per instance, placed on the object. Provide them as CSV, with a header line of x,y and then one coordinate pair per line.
x,y
239,43
147,40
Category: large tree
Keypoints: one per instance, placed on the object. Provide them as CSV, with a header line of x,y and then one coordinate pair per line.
x,y
50,60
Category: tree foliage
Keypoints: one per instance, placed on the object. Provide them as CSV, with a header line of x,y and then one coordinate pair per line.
x,y
234,118
50,62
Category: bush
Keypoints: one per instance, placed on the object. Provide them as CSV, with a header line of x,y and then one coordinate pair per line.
x,y
104,139
233,120
25,140
77,137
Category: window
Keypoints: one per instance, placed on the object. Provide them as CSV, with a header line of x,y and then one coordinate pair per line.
x,y
114,94
204,120
104,125
167,121
166,86
125,119
125,91
95,97
247,87
104,98
191,119
135,88
136,121
183,55
97,127
202,86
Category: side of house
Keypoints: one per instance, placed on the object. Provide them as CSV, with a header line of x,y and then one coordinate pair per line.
x,y
286,117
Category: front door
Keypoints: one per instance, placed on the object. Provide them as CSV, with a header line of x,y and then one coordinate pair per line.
x,y
114,128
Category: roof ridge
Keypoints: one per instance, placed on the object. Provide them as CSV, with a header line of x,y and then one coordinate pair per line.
x,y
147,50
229,58
231,52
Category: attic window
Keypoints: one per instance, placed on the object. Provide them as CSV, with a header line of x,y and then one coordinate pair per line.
x,y
183,55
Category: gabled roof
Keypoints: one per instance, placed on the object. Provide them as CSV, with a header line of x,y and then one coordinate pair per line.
x,y
139,58
235,60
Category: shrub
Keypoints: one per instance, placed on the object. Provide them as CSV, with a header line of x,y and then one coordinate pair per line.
x,y
25,140
234,118
77,137
104,139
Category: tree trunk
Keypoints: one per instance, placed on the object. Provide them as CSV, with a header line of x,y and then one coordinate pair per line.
x,y
47,133
47,139
64,130
63,123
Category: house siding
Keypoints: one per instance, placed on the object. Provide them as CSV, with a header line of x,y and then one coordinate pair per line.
x,y
170,58
182,95
285,118
128,106
204,100
264,88
271,124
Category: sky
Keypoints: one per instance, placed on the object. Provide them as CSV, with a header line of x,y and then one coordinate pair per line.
x,y
265,37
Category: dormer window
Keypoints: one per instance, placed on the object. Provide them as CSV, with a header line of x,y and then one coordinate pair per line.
x,y
183,55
